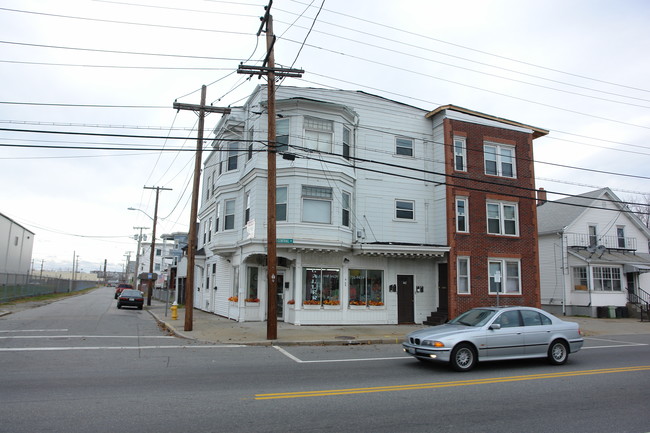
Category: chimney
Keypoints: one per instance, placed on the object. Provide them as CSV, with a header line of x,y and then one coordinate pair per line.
x,y
541,196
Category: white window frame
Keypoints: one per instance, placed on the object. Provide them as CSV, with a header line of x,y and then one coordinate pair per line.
x,y
620,237
508,277
282,128
315,197
464,216
463,277
601,275
279,204
501,207
404,143
495,152
460,153
247,210
217,220
346,201
233,156
398,209
347,142
319,134
229,218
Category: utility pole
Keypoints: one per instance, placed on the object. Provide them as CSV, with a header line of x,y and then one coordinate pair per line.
x,y
153,241
137,256
271,251
192,237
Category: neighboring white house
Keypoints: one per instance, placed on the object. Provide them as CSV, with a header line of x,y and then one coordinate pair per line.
x,y
593,251
162,259
16,245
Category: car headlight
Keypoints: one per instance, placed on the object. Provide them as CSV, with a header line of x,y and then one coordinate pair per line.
x,y
433,343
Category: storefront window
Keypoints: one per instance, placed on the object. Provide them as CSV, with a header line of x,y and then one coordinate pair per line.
x,y
321,286
366,287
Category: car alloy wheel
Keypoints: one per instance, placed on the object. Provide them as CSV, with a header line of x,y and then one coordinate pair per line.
x,y
558,352
463,357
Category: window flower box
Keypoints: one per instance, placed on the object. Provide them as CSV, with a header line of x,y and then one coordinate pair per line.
x,y
357,306
311,306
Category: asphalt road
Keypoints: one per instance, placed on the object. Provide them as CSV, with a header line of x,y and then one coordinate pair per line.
x,y
82,365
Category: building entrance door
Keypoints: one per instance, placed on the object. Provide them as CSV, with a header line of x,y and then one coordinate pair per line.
x,y
279,296
405,299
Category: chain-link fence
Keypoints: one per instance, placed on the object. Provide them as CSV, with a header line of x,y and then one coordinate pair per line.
x,y
17,286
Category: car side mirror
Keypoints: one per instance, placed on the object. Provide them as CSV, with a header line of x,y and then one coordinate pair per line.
x,y
495,326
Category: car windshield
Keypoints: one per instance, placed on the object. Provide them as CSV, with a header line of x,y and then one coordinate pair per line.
x,y
475,317
131,293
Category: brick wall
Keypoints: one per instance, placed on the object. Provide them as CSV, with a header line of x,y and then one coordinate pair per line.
x,y
478,188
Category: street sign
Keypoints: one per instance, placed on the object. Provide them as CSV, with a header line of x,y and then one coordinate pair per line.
x,y
284,241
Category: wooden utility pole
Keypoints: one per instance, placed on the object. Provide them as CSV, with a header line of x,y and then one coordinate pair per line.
x,y
150,282
192,236
271,251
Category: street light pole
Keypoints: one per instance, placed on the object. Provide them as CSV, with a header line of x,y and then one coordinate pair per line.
x,y
137,257
153,240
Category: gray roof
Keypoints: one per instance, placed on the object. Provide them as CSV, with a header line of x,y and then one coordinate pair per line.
x,y
553,216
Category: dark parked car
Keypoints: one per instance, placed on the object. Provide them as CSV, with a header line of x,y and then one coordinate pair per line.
x,y
121,287
130,298
493,333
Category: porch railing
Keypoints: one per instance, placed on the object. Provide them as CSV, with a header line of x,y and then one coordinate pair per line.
x,y
641,299
610,242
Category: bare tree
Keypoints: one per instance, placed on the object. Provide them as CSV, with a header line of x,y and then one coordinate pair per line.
x,y
640,206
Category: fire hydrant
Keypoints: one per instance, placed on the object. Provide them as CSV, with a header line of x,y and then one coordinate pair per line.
x,y
174,309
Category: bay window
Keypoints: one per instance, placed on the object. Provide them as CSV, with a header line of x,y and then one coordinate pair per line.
x,y
316,204
318,134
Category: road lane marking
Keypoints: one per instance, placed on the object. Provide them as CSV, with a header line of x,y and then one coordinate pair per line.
x,y
471,382
32,330
618,343
300,361
31,337
54,349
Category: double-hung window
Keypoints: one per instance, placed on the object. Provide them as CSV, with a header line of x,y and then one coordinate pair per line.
x,y
229,215
210,229
282,135
462,275
251,134
502,219
460,154
232,156
217,220
462,221
620,236
247,212
499,160
316,204
504,276
404,146
281,203
347,136
318,134
345,209
607,278
404,209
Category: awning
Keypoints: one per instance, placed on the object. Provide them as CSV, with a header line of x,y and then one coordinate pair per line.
x,y
628,268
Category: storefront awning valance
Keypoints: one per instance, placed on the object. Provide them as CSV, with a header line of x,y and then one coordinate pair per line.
x,y
400,250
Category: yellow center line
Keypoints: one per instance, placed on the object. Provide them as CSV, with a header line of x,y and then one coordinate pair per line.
x,y
322,393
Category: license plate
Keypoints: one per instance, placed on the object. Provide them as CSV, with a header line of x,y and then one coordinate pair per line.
x,y
131,299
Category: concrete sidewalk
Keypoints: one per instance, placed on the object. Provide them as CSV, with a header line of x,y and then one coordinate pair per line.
x,y
210,328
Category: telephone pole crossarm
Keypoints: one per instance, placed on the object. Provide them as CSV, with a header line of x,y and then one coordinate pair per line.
x,y
262,70
204,108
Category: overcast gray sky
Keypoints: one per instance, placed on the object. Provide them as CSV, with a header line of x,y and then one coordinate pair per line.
x,y
577,68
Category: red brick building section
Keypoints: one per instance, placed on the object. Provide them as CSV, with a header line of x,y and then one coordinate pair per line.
x,y
477,189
